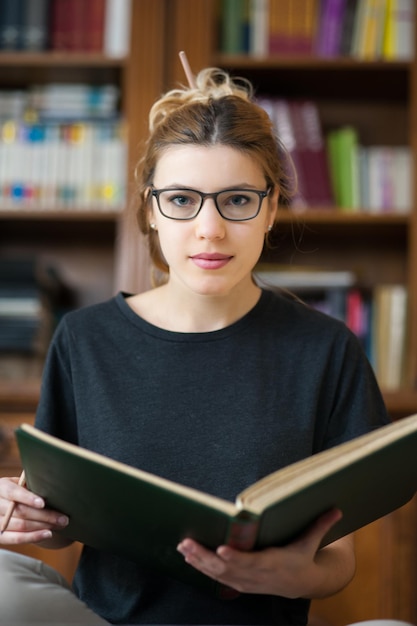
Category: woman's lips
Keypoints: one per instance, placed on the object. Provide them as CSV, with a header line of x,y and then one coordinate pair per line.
x,y
208,261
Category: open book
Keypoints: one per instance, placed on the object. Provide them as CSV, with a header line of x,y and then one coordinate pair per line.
x,y
143,517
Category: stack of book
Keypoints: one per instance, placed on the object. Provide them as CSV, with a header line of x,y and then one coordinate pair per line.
x,y
33,298
21,307
331,169
365,29
71,154
89,26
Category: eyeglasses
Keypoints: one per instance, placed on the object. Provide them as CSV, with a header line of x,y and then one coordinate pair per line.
x,y
235,205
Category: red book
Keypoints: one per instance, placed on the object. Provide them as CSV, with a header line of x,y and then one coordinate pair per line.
x,y
59,24
75,24
312,154
94,25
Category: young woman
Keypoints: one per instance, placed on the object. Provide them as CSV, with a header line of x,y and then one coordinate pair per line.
x,y
206,379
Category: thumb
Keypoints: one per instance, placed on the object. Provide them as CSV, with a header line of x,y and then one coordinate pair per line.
x,y
315,533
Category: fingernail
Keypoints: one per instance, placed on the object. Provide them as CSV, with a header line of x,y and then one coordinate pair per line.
x,y
38,502
47,534
62,520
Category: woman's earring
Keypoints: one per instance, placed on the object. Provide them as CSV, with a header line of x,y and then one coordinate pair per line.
x,y
269,228
153,226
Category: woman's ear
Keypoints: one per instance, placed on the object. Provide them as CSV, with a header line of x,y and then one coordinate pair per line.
x,y
273,205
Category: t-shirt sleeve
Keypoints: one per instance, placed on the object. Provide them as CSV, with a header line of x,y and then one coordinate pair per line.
x,y
357,405
56,413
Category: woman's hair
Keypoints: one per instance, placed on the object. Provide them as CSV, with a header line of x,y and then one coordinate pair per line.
x,y
219,110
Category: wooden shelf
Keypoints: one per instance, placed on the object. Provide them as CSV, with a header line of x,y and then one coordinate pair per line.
x,y
310,62
19,395
68,59
81,215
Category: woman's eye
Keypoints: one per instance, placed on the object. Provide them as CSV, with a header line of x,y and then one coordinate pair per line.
x,y
237,200
182,201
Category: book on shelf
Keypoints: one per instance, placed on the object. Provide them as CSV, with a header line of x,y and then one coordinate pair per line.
x,y
298,126
258,27
366,478
386,179
369,30
304,277
348,24
312,155
329,31
343,150
95,16
366,29
373,179
22,307
11,24
93,26
79,165
234,26
35,25
390,335
117,21
291,26
399,36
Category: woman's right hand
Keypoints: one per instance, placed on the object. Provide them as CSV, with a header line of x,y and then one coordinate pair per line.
x,y
31,521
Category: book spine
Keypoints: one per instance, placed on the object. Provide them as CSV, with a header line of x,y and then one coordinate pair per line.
x,y
278,36
117,28
59,25
347,27
258,33
242,535
94,25
312,153
11,24
76,25
330,31
301,26
35,31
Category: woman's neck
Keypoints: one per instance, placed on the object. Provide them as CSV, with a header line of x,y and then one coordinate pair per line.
x,y
179,311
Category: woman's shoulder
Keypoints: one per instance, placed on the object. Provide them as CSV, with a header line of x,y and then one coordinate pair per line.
x,y
96,313
294,309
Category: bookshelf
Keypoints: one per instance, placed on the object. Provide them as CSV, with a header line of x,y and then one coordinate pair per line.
x,y
379,98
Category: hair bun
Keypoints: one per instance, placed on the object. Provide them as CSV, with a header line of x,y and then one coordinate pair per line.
x,y
211,83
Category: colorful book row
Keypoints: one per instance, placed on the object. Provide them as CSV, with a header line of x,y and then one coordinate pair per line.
x,y
94,26
365,29
332,169
70,166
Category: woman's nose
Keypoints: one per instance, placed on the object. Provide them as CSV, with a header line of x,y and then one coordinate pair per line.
x,y
209,223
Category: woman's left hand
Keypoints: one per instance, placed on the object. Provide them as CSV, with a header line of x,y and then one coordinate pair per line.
x,y
300,569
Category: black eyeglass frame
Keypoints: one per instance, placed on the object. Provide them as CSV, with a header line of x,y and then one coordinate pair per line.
x,y
203,196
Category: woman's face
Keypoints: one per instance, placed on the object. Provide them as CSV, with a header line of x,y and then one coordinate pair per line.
x,y
208,254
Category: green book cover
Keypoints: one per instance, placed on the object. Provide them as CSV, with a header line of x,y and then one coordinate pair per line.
x,y
343,153
143,517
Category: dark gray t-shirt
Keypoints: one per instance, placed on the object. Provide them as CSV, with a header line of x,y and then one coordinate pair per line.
x,y
216,411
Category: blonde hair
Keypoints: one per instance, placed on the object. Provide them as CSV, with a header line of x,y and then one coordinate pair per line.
x,y
219,110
